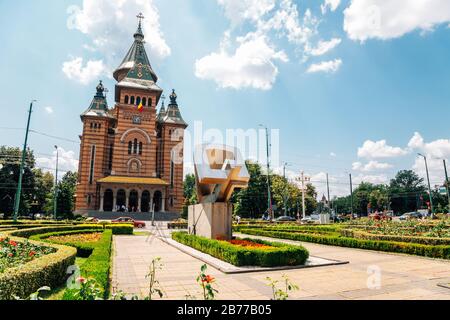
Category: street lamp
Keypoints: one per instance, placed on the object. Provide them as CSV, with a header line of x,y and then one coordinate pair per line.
x,y
55,197
269,196
429,184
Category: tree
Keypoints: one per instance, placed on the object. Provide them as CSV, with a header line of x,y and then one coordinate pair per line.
x,y
66,197
407,192
252,201
44,183
190,194
10,159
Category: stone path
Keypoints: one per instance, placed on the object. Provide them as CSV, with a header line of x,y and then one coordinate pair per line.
x,y
402,277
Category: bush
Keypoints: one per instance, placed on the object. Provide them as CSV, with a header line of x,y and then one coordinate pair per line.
x,y
49,270
441,251
177,225
120,229
97,266
27,233
280,255
396,238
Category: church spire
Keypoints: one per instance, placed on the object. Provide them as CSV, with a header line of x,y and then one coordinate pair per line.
x,y
136,64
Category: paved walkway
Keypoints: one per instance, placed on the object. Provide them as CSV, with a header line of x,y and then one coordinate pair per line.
x,y
402,277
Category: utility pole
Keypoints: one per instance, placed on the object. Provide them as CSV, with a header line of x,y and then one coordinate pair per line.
x,y
22,165
269,196
429,185
447,185
285,196
303,179
328,190
351,195
55,197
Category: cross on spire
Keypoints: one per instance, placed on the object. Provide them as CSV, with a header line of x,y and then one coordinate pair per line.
x,y
140,17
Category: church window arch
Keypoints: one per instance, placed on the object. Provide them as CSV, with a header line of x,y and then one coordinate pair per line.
x,y
132,100
144,101
135,146
138,100
130,147
140,148
127,99
149,102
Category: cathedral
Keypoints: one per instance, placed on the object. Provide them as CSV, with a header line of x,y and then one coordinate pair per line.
x,y
131,156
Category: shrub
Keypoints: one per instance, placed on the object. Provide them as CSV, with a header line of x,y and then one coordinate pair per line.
x,y
441,251
49,270
120,229
27,233
278,255
97,266
177,225
396,238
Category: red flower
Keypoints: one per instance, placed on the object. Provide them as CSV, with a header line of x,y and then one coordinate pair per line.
x,y
32,253
81,280
13,243
208,279
10,255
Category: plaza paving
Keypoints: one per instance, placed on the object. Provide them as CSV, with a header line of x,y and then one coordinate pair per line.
x,y
402,277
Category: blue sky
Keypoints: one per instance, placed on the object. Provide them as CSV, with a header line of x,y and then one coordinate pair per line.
x,y
335,85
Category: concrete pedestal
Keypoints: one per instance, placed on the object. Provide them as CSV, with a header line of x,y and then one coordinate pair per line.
x,y
211,220
324,218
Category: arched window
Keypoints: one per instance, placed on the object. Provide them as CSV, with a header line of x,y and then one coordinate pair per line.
x,y
149,102
144,101
130,147
135,146
127,99
132,100
138,101
140,148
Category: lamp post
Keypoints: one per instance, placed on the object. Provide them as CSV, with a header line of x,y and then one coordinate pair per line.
x,y
55,197
429,184
447,185
22,165
286,190
269,196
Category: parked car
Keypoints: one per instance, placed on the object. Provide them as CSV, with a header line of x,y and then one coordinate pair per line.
x,y
411,215
285,218
136,223
311,219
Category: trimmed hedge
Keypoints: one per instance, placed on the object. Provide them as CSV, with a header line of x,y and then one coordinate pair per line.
x,y
280,255
432,241
98,264
117,229
442,252
120,229
49,270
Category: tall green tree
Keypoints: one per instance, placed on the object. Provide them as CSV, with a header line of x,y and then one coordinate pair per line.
x,y
190,194
10,159
66,197
407,191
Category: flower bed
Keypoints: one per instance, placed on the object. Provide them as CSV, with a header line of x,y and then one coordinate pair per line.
x,y
434,251
44,270
80,237
260,253
14,254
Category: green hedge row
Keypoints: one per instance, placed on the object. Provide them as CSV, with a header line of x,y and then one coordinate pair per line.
x,y
49,270
441,251
98,264
432,241
117,229
279,255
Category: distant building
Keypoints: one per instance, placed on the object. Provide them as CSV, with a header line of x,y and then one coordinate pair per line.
x,y
128,155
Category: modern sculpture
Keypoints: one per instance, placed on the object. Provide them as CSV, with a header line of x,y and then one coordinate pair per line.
x,y
219,170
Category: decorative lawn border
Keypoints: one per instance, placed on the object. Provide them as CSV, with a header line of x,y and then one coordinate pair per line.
x,y
435,251
279,254
49,270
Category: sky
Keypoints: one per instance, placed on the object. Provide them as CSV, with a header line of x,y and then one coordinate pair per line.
x,y
353,86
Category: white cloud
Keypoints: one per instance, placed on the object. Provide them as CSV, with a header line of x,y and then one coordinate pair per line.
x,y
374,179
371,166
240,10
251,65
387,19
323,47
49,110
252,61
332,5
332,154
67,162
325,66
379,149
111,24
74,70
435,151
438,149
